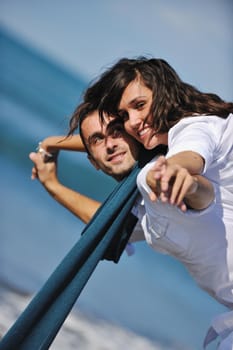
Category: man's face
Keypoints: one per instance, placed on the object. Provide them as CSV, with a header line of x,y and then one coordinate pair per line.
x,y
111,149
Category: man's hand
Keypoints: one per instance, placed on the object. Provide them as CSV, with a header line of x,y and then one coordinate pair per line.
x,y
45,172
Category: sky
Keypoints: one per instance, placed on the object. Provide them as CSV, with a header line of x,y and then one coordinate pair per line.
x,y
86,36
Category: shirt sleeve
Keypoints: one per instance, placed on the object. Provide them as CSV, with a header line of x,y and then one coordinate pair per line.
x,y
193,134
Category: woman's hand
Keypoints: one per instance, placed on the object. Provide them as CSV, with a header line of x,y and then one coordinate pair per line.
x,y
171,183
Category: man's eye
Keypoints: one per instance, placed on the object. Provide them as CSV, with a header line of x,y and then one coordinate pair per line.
x,y
96,140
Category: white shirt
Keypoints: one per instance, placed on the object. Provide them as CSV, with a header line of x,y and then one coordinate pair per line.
x,y
212,138
197,239
202,241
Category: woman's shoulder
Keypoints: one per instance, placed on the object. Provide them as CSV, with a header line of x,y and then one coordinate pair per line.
x,y
204,123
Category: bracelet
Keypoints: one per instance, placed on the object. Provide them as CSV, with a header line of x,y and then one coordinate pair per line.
x,y
46,155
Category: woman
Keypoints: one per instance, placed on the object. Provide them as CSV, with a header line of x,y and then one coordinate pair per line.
x,y
158,108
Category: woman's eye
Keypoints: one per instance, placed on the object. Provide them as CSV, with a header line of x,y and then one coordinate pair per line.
x,y
140,105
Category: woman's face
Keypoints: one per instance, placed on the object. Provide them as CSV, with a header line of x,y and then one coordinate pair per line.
x,y
135,107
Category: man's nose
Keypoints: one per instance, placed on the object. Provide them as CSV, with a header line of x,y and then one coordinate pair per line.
x,y
110,143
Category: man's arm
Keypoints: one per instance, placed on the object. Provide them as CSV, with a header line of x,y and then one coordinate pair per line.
x,y
68,143
81,206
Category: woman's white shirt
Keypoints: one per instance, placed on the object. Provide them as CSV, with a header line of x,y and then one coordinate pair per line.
x,y
212,138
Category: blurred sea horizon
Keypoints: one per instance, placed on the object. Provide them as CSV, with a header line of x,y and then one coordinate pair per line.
x,y
148,293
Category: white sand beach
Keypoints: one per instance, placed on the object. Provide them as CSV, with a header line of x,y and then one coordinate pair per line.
x,y
79,331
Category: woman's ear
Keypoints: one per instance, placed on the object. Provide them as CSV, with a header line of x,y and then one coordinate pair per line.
x,y
93,162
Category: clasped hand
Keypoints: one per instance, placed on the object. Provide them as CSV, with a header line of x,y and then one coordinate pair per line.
x,y
170,183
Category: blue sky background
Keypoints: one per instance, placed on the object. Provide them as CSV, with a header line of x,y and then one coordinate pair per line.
x,y
86,36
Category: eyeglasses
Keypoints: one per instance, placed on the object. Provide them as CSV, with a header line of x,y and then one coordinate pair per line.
x,y
114,130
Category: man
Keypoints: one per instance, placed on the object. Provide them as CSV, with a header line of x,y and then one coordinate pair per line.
x,y
110,149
